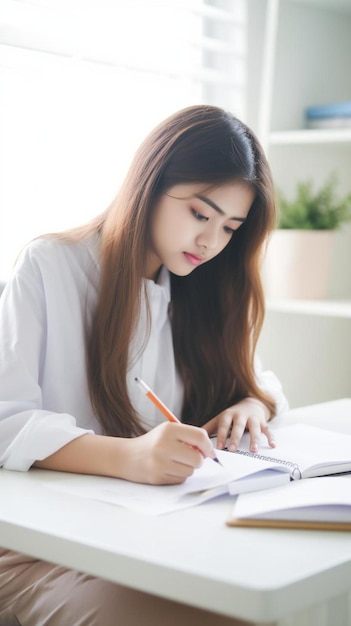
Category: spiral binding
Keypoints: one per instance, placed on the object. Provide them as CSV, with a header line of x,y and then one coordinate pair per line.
x,y
295,473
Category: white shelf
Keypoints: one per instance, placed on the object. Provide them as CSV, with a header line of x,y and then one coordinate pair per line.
x,y
310,136
331,147
325,308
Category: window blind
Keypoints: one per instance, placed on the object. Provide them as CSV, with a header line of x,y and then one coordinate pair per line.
x,y
83,81
164,37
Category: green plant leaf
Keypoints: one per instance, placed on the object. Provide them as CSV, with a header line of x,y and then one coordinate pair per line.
x,y
310,210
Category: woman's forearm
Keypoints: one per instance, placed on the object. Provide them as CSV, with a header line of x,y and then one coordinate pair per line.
x,y
91,454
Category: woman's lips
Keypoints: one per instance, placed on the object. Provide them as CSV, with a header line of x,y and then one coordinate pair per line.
x,y
193,259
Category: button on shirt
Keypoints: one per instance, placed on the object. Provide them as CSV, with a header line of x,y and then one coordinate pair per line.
x,y
44,398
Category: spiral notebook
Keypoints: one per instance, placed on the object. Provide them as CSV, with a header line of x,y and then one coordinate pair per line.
x,y
303,451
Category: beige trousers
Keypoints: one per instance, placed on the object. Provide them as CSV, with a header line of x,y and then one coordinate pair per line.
x,y
42,594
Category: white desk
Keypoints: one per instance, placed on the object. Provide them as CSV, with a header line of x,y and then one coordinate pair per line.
x,y
281,577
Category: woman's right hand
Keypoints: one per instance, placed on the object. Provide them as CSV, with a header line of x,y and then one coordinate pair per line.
x,y
167,454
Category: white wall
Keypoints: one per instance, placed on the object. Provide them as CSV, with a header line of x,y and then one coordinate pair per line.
x,y
311,355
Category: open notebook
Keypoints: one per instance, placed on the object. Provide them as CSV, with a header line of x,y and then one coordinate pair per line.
x,y
302,451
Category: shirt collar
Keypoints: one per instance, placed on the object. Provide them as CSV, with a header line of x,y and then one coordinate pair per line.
x,y
161,288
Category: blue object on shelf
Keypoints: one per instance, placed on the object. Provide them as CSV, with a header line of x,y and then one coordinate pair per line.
x,y
338,109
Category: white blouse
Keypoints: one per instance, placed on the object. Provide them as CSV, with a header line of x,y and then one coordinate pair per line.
x,y
44,399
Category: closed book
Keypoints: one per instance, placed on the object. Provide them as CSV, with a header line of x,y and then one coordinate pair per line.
x,y
319,504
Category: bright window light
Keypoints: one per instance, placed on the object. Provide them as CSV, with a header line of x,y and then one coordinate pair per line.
x,y
83,81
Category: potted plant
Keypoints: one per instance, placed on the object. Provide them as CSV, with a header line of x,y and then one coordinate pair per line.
x,y
298,255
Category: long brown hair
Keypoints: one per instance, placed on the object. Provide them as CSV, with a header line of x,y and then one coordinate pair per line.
x,y
217,310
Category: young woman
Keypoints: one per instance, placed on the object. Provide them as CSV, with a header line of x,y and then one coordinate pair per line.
x,y
165,286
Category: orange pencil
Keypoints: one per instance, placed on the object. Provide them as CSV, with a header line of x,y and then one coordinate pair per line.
x,y
161,406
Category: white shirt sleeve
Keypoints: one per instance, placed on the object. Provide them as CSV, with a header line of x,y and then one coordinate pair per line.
x,y
268,382
33,303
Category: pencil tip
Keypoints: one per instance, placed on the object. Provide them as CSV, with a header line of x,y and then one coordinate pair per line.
x,y
217,461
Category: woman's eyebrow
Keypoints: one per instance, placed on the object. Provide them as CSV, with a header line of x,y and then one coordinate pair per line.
x,y
214,206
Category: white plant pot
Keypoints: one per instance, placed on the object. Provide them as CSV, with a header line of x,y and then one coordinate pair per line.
x,y
297,264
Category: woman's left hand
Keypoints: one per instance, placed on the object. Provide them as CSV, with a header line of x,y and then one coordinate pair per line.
x,y
229,426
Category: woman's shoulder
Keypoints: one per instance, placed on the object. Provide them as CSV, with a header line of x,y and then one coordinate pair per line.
x,y
48,250
57,268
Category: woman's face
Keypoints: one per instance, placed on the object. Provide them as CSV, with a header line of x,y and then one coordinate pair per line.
x,y
191,224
